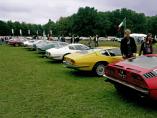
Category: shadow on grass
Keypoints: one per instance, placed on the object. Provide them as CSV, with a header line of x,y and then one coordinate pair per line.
x,y
143,102
83,73
28,49
72,72
80,74
49,61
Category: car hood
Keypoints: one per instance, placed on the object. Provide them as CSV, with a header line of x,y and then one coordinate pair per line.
x,y
141,67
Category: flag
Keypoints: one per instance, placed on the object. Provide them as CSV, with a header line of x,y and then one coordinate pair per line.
x,y
29,32
44,33
12,31
20,32
123,23
51,32
37,32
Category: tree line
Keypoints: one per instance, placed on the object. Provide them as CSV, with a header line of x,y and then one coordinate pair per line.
x,y
86,22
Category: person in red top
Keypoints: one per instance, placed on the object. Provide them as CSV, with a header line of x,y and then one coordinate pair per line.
x,y
146,46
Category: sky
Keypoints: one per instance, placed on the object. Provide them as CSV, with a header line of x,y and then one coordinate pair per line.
x,y
39,11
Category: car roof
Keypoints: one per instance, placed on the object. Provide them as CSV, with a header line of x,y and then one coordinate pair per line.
x,y
73,44
107,47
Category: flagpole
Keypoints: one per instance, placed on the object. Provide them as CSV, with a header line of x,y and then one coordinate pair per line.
x,y
20,32
12,31
29,32
125,24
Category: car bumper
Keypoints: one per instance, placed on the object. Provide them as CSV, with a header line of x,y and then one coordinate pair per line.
x,y
71,66
115,81
54,57
29,46
41,51
153,94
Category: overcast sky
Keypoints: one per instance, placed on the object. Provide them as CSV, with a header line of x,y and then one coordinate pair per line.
x,y
39,11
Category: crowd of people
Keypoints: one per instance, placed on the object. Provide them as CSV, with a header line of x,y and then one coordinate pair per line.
x,y
77,39
128,46
4,39
73,39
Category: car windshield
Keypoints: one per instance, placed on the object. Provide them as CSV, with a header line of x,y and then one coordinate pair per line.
x,y
114,52
62,44
148,62
52,45
81,47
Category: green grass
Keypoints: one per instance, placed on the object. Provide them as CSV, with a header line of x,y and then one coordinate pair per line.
x,y
35,87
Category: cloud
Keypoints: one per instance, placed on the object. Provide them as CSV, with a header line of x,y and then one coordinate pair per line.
x,y
39,11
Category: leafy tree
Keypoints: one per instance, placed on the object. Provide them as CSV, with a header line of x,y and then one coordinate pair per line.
x,y
87,22
84,22
4,28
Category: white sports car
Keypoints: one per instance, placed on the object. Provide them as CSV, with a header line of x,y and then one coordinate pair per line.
x,y
59,53
28,42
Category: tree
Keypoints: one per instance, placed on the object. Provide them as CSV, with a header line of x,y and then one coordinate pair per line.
x,y
87,22
4,28
49,27
84,22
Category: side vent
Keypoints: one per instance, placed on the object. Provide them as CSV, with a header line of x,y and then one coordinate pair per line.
x,y
150,75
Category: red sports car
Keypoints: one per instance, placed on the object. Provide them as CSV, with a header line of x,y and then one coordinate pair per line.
x,y
15,42
136,74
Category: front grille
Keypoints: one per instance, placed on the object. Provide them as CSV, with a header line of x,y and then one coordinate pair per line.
x,y
150,75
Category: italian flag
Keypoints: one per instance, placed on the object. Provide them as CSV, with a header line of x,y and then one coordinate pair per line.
x,y
12,31
123,23
20,32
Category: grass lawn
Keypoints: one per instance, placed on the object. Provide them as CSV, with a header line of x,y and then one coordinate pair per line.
x,y
35,87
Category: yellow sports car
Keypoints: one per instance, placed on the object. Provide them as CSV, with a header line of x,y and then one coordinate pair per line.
x,y
93,60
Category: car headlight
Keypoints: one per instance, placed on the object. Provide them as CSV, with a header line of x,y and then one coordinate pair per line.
x,y
70,61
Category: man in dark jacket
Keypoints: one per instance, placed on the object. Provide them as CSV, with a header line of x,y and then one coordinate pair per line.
x,y
62,38
128,46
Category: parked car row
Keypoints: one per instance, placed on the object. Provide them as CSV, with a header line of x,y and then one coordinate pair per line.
x,y
76,56
16,42
135,75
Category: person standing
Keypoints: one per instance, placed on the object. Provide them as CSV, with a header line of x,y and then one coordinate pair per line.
x,y
128,46
72,39
96,40
77,39
62,38
146,46
0,41
90,41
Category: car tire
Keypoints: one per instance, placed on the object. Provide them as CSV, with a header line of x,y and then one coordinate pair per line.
x,y
16,45
121,88
128,92
99,68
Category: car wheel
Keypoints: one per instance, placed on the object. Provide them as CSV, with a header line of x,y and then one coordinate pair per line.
x,y
99,69
16,45
121,88
64,56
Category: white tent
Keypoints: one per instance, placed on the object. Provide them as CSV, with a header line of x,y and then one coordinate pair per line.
x,y
138,37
